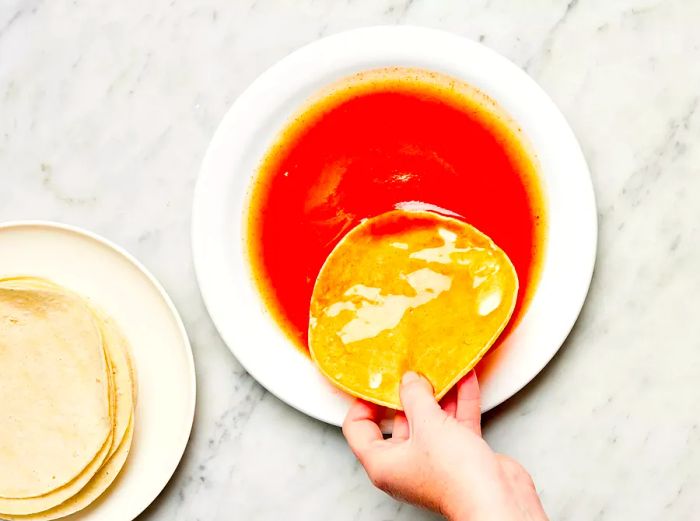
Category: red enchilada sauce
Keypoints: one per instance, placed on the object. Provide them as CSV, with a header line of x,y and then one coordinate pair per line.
x,y
380,140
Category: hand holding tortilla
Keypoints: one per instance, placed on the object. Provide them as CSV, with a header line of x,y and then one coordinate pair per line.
x,y
437,458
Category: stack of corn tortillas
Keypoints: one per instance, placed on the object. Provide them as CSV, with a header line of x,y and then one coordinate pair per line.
x,y
67,394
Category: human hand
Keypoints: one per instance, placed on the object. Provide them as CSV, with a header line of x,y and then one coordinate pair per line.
x,y
436,457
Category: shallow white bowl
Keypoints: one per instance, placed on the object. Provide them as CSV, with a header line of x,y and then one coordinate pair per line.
x,y
252,124
118,284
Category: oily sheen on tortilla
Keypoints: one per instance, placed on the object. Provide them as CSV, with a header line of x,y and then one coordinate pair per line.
x,y
408,291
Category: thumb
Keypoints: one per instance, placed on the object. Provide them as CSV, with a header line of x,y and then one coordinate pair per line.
x,y
417,399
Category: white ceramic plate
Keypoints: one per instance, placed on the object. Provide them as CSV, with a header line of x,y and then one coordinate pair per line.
x,y
251,125
161,353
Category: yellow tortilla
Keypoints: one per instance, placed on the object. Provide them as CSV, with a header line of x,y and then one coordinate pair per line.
x,y
32,505
93,490
117,351
408,291
123,392
54,390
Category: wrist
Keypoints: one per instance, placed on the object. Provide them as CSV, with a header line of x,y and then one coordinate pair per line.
x,y
459,503
477,504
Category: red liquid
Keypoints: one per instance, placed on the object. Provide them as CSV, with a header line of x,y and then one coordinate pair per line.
x,y
357,153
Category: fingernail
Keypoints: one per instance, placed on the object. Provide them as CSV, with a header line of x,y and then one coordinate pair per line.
x,y
409,377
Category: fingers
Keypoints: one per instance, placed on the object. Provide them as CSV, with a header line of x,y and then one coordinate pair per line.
x,y
400,432
417,399
362,432
469,403
449,403
361,428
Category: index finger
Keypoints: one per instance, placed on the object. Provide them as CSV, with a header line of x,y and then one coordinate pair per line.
x,y
361,426
469,402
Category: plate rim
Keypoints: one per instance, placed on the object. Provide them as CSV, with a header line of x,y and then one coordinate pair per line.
x,y
165,297
590,218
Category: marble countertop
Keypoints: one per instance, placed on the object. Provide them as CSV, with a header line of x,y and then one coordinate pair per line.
x,y
106,109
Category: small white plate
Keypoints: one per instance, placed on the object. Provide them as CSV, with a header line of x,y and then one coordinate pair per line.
x,y
253,122
117,283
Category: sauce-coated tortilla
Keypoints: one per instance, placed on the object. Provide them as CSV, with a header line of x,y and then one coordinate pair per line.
x,y
408,291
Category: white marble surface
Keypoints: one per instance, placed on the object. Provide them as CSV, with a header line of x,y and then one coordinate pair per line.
x,y
106,108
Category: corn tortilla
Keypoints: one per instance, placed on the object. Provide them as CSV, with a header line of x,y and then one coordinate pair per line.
x,y
95,487
408,291
54,390
116,348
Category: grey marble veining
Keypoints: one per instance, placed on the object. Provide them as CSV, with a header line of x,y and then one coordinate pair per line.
x,y
106,109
